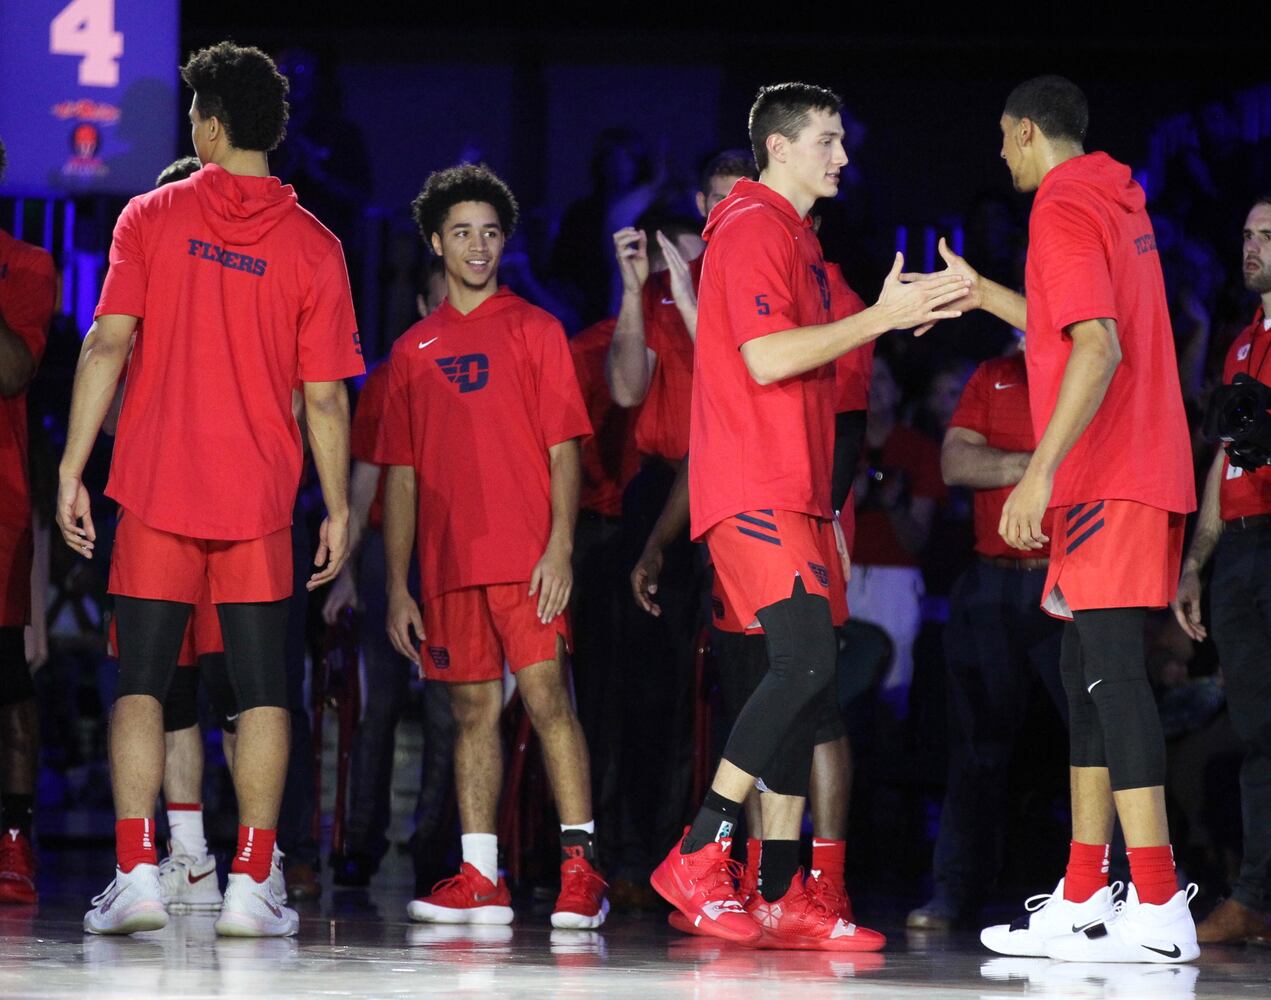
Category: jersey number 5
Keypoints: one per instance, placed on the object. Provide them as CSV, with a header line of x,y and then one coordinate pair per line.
x,y
761,305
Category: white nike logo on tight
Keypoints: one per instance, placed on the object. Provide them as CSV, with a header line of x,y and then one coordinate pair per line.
x,y
425,343
1091,688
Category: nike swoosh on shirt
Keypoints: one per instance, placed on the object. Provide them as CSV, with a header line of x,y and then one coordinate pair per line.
x,y
425,343
1004,385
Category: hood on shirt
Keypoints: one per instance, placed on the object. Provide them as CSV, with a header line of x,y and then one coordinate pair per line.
x,y
1104,178
746,196
241,210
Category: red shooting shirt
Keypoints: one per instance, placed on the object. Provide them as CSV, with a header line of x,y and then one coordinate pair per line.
x,y
662,426
1092,255
758,447
28,286
367,418
609,456
242,295
853,370
474,403
1244,493
914,457
995,404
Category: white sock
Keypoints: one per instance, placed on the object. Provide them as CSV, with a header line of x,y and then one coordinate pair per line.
x,y
185,827
589,827
481,850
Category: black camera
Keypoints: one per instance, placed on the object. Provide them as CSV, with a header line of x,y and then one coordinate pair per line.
x,y
1240,416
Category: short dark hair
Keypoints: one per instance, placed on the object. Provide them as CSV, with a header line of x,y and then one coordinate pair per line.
x,y
467,182
728,163
177,170
241,86
1054,104
670,224
4,159
785,108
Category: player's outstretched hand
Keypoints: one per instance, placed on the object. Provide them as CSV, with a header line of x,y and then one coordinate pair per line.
x,y
343,594
922,301
333,550
954,264
1021,522
644,580
631,248
552,579
681,276
403,616
1186,605
75,515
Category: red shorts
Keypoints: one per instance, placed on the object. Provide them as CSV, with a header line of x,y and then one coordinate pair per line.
x,y
758,555
16,553
202,635
160,566
471,631
1112,554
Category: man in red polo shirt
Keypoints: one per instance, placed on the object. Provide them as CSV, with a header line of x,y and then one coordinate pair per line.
x,y
762,438
482,424
1235,528
236,296
1113,463
28,287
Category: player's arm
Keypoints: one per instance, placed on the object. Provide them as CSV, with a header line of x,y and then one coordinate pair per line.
x,y
1186,603
670,523
363,484
327,417
17,366
1096,352
552,578
400,511
966,459
629,364
982,293
901,305
101,359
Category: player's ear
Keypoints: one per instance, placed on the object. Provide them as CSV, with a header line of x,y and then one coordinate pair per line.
x,y
777,147
435,241
701,204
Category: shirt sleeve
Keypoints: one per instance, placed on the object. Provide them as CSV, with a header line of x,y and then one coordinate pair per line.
x,y
368,415
124,293
392,445
757,265
330,348
973,408
1076,279
561,413
28,305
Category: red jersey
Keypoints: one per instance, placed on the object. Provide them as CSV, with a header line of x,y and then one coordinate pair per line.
x,y
1092,255
242,294
758,447
609,456
474,403
365,431
1244,493
28,286
852,371
995,404
662,426
916,459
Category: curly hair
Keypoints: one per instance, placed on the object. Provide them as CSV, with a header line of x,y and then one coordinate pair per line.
x,y
177,170
242,87
467,182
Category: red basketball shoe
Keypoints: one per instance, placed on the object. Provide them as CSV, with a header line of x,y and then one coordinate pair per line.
x,y
701,886
466,898
805,920
17,869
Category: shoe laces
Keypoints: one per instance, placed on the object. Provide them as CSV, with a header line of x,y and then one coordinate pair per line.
x,y
459,884
580,881
827,896
717,876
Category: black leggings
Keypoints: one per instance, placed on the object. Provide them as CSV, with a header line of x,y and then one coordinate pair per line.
x,y
16,685
1112,716
773,735
150,634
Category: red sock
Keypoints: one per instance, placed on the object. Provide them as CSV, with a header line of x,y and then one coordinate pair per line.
x,y
1152,872
134,843
1087,871
255,852
828,857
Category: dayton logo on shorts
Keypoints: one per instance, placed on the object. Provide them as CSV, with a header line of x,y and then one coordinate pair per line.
x,y
440,656
821,573
469,372
823,282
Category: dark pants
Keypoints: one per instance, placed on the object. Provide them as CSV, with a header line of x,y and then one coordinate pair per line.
x,y
997,640
295,822
1240,605
385,687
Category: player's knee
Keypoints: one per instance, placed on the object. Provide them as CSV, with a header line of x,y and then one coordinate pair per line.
x,y
476,706
1131,724
802,644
